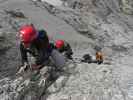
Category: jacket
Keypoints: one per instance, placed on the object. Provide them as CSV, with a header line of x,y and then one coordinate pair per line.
x,y
39,48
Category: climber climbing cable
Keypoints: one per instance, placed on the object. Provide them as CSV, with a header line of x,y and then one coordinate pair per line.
x,y
36,43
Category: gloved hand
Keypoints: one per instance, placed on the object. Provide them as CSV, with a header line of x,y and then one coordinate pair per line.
x,y
23,68
26,66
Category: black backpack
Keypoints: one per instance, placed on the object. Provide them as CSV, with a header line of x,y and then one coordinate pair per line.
x,y
87,58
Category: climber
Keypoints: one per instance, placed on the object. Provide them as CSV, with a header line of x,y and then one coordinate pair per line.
x,y
64,47
35,43
99,57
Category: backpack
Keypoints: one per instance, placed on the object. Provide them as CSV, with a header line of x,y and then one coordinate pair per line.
x,y
87,58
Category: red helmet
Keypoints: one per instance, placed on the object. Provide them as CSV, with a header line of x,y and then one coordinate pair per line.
x,y
27,33
59,44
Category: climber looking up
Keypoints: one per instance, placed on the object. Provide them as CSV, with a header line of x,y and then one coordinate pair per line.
x,y
36,43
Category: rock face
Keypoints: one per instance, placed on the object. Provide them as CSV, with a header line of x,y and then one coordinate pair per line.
x,y
34,85
127,6
4,42
107,24
53,2
98,20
